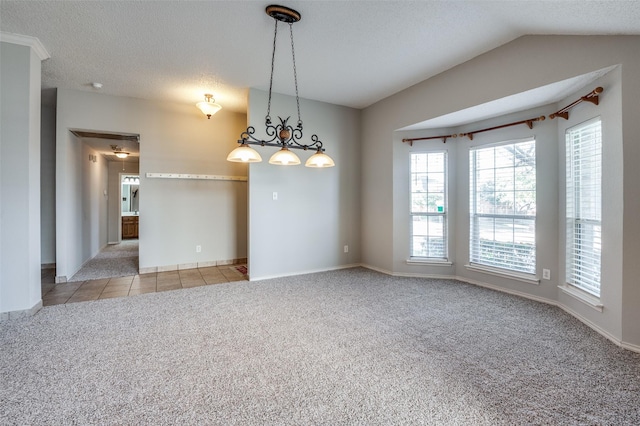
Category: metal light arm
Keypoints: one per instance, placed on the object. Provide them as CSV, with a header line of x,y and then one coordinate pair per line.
x,y
282,135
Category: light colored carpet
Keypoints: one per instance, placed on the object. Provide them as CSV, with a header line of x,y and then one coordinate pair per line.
x,y
341,347
115,260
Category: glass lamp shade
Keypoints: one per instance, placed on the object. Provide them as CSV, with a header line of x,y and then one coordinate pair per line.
x,y
208,108
121,154
244,154
319,159
284,157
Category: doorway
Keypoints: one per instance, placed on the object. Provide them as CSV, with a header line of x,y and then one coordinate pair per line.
x,y
104,253
129,206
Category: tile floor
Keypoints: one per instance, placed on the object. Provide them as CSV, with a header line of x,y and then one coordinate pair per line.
x,y
82,291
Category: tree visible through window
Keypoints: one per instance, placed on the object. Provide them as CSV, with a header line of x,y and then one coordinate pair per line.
x,y
429,205
503,206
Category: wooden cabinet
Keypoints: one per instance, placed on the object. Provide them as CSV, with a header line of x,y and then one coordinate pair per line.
x,y
129,227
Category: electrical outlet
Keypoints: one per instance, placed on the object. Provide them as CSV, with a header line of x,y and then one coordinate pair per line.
x,y
275,196
198,249
546,274
346,249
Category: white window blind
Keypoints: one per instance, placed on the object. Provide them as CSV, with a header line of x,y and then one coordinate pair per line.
x,y
429,205
503,206
584,206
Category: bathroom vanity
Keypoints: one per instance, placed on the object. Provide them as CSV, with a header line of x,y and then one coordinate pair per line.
x,y
129,225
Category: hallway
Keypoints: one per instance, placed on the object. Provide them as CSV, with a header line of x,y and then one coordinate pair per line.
x,y
114,260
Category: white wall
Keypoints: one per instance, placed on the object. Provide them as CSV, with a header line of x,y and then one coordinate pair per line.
x,y
48,185
19,179
376,186
175,215
526,63
93,178
317,210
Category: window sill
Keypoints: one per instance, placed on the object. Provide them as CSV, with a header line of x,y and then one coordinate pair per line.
x,y
428,262
525,278
584,297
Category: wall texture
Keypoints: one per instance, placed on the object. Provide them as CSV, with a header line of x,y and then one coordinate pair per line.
x,y
317,210
19,180
48,185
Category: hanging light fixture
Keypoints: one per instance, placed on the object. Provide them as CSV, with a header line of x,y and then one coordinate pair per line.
x,y
282,135
208,106
119,151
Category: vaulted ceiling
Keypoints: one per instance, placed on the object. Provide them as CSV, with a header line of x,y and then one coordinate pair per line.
x,y
351,53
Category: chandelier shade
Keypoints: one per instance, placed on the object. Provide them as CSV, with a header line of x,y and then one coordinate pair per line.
x,y
319,160
284,157
208,106
282,135
244,154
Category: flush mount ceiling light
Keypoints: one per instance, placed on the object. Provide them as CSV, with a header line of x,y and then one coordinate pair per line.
x,y
208,106
119,151
282,135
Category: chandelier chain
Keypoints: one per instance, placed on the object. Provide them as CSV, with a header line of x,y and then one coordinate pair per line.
x,y
273,58
295,73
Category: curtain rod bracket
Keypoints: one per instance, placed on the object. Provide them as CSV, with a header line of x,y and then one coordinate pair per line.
x,y
589,97
594,99
444,138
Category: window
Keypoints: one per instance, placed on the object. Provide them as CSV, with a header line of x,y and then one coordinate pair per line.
x,y
429,205
503,206
584,206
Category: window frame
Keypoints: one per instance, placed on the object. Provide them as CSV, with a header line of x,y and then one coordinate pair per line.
x,y
444,214
475,262
573,192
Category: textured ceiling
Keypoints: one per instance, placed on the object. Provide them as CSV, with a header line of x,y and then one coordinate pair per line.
x,y
351,53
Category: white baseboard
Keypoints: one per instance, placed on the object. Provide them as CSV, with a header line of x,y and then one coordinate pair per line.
x,y
12,315
313,271
408,274
631,347
375,268
193,265
507,290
